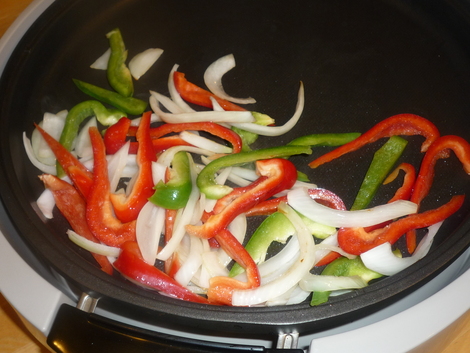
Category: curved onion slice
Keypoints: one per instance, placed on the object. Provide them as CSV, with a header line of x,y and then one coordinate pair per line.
x,y
96,248
192,263
46,203
53,124
83,147
277,130
381,259
321,283
184,219
102,62
201,116
48,169
300,201
143,61
171,106
213,79
291,277
149,227
174,94
204,143
167,156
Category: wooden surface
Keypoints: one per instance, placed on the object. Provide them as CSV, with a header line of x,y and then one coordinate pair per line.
x,y
14,337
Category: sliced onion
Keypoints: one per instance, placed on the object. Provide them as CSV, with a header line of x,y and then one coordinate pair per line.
x,y
102,62
291,277
83,147
158,172
204,143
154,118
91,246
48,169
149,227
277,130
238,228
174,94
53,124
192,264
321,283
46,203
167,156
116,164
184,219
213,79
201,116
300,201
296,295
171,106
381,259
143,61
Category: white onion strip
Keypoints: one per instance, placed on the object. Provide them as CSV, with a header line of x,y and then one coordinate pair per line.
x,y
174,94
167,157
143,61
102,62
48,169
321,283
204,143
149,228
46,203
213,79
96,248
381,259
170,105
185,218
201,116
291,277
300,201
277,130
192,264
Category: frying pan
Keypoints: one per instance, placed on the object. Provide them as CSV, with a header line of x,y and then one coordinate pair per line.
x,y
360,62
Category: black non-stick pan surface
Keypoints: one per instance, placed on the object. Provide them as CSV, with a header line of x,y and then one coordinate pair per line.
x,y
360,61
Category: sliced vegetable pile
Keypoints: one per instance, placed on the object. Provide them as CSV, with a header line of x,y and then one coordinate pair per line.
x,y
154,199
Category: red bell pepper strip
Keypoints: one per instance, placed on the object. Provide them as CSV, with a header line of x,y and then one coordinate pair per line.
x,y
323,196
80,175
357,241
100,213
276,175
73,207
127,208
221,288
404,192
213,128
132,266
197,95
115,136
439,149
401,124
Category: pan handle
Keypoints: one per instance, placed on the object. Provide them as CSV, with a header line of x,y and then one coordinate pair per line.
x,y
75,330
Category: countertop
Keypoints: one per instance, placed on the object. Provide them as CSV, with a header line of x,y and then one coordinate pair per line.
x,y
15,338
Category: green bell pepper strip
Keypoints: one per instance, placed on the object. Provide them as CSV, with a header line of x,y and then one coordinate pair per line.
x,y
206,178
77,115
118,73
129,105
343,267
381,165
174,194
325,139
276,227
